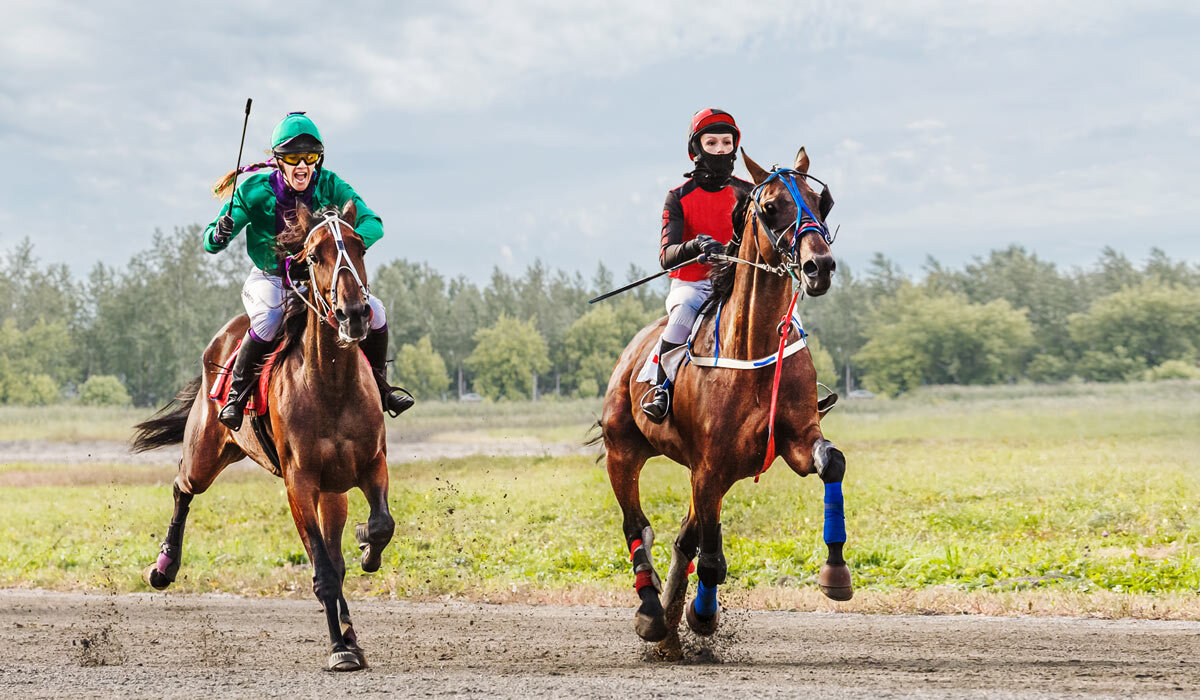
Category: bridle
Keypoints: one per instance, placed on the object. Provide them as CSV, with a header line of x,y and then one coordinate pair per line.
x,y
806,222
326,301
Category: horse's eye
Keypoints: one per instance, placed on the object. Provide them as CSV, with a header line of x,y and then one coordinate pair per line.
x,y
769,208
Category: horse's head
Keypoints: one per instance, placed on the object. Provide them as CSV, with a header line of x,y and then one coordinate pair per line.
x,y
333,253
790,216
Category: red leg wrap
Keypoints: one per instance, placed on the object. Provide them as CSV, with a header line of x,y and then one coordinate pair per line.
x,y
633,547
691,568
642,579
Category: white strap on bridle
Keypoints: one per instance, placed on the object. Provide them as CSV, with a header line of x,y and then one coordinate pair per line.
x,y
342,262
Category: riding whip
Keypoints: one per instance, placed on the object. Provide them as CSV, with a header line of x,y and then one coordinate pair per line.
x,y
241,145
656,275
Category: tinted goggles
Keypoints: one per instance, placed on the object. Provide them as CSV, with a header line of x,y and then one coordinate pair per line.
x,y
295,158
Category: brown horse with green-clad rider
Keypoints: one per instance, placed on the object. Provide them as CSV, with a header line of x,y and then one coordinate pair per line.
x,y
322,429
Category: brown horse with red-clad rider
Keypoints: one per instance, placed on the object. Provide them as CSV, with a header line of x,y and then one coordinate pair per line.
x,y
726,421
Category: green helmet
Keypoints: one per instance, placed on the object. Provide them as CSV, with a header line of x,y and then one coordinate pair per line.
x,y
296,133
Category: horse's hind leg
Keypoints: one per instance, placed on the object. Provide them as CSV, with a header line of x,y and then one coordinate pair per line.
x,y
373,536
205,456
624,468
304,497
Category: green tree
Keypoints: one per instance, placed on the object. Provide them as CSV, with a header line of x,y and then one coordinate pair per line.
x,y
1153,322
103,390
421,370
506,356
595,340
918,337
822,361
35,362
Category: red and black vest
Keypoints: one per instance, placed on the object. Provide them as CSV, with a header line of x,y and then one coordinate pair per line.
x,y
691,210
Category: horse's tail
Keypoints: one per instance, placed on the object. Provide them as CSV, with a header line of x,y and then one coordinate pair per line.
x,y
166,427
595,436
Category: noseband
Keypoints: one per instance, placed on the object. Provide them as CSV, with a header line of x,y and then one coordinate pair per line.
x,y
334,223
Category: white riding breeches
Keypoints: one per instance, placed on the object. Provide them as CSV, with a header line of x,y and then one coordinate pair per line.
x,y
683,305
265,300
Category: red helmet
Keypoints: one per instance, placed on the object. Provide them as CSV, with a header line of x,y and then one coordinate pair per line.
x,y
709,120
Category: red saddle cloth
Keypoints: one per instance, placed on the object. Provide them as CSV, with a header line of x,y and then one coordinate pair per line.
x,y
257,402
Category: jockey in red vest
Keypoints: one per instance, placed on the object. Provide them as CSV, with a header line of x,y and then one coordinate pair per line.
x,y
697,219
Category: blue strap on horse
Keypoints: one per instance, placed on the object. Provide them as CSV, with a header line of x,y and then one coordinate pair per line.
x,y
835,516
706,600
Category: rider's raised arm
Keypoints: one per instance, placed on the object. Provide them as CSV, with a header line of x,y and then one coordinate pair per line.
x,y
670,252
235,207
368,225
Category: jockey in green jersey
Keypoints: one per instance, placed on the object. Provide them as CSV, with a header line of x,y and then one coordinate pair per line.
x,y
262,206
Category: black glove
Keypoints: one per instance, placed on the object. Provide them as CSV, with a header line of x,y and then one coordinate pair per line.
x,y
703,244
224,230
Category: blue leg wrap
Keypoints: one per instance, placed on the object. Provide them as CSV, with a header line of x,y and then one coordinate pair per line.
x,y
706,600
835,517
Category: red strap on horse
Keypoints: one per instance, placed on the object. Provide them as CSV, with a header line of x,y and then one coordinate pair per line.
x,y
785,327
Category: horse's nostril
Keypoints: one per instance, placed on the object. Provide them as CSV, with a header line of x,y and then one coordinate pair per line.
x,y
365,312
810,268
340,315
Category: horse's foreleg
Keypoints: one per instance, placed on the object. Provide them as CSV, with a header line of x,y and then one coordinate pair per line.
x,y
834,577
703,615
375,534
332,508
304,497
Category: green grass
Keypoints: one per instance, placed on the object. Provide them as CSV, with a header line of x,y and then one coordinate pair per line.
x,y
988,492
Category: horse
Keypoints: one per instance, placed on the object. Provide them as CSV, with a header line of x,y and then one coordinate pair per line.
x,y
721,425
325,422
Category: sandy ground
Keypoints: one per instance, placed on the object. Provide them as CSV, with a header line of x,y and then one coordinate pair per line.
x,y
163,645
399,452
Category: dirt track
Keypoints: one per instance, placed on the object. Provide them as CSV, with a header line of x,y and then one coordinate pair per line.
x,y
222,646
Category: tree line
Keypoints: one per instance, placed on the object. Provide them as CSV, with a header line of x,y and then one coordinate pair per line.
x,y
135,333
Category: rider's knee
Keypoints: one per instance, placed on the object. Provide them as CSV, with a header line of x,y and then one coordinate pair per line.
x,y
378,313
266,323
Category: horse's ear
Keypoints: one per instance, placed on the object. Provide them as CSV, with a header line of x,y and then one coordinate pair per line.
x,y
802,162
349,212
825,204
757,174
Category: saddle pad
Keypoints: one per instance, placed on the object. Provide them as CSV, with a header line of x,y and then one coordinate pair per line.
x,y
257,402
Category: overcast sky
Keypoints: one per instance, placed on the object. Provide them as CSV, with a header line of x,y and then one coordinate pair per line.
x,y
492,133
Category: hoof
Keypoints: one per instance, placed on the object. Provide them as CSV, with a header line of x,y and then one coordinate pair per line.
x,y
347,661
834,581
371,557
155,578
703,626
651,628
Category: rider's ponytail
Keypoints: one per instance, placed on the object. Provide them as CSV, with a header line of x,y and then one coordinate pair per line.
x,y
223,187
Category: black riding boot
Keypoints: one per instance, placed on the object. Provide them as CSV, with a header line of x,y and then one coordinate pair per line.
x,y
659,405
245,370
374,346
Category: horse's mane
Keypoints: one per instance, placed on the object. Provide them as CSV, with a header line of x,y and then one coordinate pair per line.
x,y
723,273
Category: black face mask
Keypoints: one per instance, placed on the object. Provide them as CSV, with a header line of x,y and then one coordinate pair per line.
x,y
713,171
